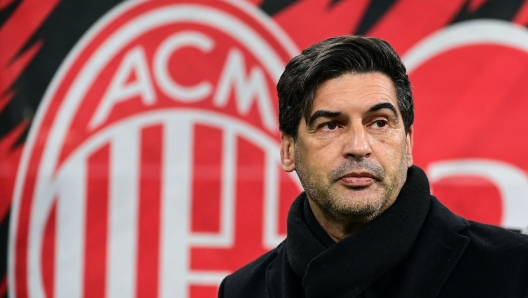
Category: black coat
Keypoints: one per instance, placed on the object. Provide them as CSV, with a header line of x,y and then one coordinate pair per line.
x,y
445,256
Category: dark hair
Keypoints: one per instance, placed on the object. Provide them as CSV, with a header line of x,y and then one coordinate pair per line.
x,y
332,58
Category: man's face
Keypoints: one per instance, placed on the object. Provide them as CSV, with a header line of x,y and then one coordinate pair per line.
x,y
352,154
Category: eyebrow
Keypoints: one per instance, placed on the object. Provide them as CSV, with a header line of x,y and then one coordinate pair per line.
x,y
384,105
322,113
331,114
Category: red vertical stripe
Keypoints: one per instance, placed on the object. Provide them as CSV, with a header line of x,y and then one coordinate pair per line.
x,y
149,212
249,203
96,223
206,179
48,252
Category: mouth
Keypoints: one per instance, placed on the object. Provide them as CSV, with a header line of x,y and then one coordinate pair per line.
x,y
358,179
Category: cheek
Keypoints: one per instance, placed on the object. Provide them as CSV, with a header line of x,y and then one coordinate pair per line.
x,y
317,159
322,148
392,152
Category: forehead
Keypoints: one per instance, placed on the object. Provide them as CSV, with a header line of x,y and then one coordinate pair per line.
x,y
354,91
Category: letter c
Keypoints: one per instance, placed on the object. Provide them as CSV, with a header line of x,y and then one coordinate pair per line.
x,y
161,62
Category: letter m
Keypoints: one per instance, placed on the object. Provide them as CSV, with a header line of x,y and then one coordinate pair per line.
x,y
246,90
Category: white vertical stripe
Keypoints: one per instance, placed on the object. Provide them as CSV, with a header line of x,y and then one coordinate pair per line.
x,y
123,213
69,261
271,198
176,194
228,185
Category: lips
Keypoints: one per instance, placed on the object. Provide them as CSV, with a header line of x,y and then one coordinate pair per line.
x,y
358,179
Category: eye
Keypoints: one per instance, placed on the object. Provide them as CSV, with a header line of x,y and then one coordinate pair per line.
x,y
380,123
329,126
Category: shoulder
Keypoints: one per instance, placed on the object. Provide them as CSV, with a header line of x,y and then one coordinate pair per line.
x,y
490,239
250,279
497,257
481,236
255,268
491,262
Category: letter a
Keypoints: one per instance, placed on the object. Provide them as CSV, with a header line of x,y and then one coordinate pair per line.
x,y
119,90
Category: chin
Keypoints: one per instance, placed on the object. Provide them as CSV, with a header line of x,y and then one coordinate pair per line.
x,y
358,208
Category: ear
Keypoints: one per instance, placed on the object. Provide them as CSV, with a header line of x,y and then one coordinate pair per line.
x,y
287,152
410,143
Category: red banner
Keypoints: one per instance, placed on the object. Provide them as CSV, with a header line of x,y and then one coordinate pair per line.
x,y
139,140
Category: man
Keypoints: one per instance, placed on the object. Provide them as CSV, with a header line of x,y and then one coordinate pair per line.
x,y
366,225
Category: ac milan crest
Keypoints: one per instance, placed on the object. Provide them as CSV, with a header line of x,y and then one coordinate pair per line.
x,y
152,167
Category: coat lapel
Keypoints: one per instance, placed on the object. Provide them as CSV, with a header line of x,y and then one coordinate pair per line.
x,y
437,252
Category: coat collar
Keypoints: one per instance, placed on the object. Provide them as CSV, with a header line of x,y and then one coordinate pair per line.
x,y
439,248
349,267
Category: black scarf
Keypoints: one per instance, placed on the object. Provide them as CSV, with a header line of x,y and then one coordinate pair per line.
x,y
349,267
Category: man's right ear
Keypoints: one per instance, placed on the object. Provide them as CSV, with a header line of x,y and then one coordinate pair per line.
x,y
287,152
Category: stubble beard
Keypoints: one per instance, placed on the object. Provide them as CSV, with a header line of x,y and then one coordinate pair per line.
x,y
360,204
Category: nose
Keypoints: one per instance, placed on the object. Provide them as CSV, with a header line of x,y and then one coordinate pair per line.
x,y
357,144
